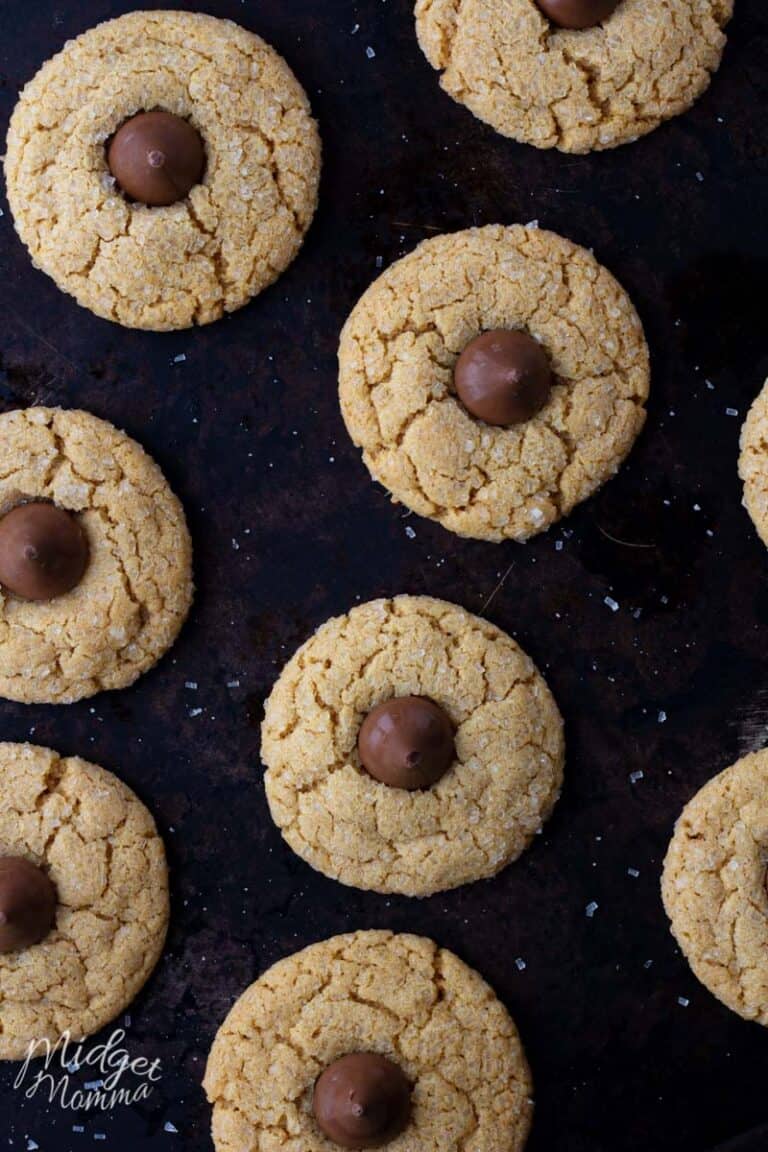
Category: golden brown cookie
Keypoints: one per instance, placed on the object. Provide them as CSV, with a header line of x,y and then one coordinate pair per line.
x,y
753,462
100,847
137,589
714,886
399,349
574,89
397,995
237,230
479,817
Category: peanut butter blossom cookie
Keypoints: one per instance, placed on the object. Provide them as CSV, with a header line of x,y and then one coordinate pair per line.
x,y
714,886
95,558
753,463
83,897
411,747
370,1040
163,168
577,75
494,378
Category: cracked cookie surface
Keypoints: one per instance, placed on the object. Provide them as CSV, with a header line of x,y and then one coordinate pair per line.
x,y
714,886
397,355
397,995
753,463
99,845
164,268
137,589
479,817
578,91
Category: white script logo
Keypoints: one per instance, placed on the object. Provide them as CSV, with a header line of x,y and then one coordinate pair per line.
x,y
121,1080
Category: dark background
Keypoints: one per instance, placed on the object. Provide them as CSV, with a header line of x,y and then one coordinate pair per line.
x,y
248,431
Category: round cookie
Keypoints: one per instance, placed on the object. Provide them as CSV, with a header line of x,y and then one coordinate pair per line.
x,y
479,816
714,886
753,463
188,263
100,847
578,90
137,588
397,995
402,342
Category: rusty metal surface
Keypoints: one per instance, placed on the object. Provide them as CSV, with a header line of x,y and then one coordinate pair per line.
x,y
248,431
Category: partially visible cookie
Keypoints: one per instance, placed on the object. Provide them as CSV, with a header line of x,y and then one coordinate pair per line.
x,y
503,778
714,886
399,996
399,353
753,462
635,64
234,229
129,605
91,836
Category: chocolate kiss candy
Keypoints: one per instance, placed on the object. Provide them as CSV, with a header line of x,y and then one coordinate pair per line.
x,y
577,13
503,377
406,742
43,551
362,1100
27,904
156,158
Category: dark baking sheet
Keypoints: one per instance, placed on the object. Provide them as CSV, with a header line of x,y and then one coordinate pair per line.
x,y
248,431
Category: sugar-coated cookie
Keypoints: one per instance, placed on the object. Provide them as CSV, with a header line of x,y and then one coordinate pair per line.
x,y
603,75
399,359
753,462
400,998
244,157
79,828
502,779
714,886
132,598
